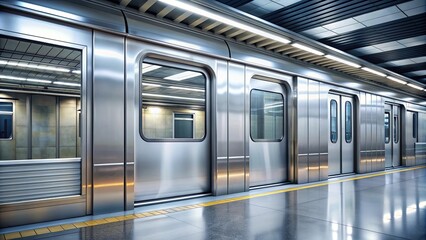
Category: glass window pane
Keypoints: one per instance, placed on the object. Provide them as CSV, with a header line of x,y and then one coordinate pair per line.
x,y
395,129
6,120
173,103
348,122
333,121
414,125
184,126
43,115
266,116
387,127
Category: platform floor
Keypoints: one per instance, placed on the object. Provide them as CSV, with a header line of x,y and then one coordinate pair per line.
x,y
385,205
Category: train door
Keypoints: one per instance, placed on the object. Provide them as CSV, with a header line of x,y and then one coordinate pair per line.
x,y
268,141
340,137
411,130
392,136
173,146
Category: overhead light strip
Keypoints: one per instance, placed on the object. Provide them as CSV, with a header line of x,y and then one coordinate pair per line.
x,y
183,75
39,80
188,89
396,80
308,49
373,71
199,11
172,97
415,86
146,67
41,67
343,61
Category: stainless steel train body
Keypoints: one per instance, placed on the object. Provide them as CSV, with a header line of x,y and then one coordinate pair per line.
x,y
164,112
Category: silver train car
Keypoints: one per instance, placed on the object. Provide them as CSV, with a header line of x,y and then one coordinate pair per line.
x,y
102,110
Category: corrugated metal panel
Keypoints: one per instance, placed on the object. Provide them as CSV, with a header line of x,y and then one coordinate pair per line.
x,y
24,180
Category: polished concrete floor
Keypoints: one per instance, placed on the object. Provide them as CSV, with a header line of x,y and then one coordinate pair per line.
x,y
392,206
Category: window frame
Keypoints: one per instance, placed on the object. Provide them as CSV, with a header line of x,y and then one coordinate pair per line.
x,y
187,67
415,125
12,113
284,117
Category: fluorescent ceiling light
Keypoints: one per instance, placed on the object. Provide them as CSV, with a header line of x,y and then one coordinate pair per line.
x,y
76,71
172,97
25,79
188,89
414,86
373,71
67,84
12,78
183,75
33,66
38,80
146,67
396,80
343,61
308,49
199,11
151,85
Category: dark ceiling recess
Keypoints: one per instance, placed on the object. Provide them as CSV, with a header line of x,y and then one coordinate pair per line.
x,y
391,34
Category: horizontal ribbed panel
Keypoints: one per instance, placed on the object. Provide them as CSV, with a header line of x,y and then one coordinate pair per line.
x,y
24,180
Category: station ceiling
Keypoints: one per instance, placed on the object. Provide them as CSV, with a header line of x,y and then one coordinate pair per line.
x,y
391,34
383,35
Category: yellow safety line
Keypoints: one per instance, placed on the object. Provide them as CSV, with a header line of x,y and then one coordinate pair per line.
x,y
96,222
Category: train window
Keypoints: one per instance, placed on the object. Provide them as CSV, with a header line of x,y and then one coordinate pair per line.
x,y
348,122
395,129
44,81
266,116
415,125
333,121
173,103
6,120
387,127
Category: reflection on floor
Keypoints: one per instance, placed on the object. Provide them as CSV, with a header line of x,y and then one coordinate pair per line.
x,y
391,206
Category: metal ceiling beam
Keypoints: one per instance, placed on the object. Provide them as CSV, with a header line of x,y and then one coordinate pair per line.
x,y
386,32
234,3
309,14
404,53
408,68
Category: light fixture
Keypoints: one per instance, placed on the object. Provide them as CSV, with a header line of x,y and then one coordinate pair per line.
x,y
183,75
414,86
188,89
33,66
76,71
343,61
146,67
12,78
373,71
67,84
38,80
308,49
199,11
172,97
25,79
151,85
396,80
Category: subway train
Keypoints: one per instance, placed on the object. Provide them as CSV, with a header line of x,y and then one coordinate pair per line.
x,y
103,109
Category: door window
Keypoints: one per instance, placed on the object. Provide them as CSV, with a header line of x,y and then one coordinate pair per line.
x,y
6,120
173,103
348,122
333,121
387,127
266,116
395,129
